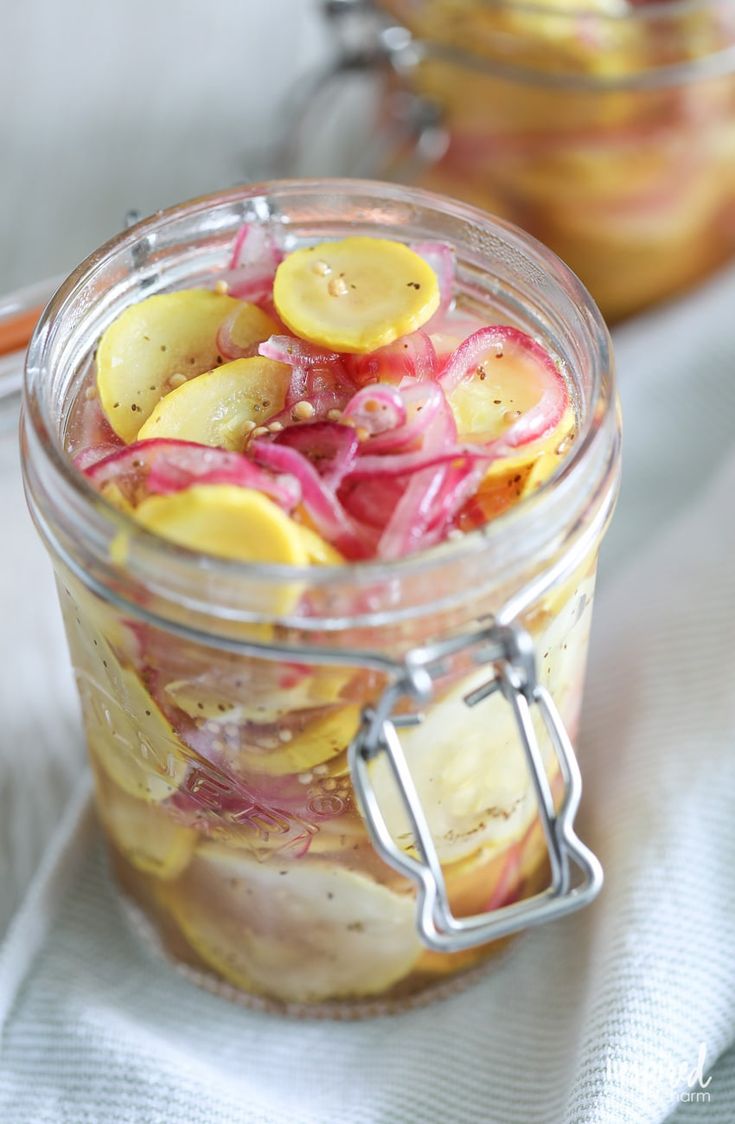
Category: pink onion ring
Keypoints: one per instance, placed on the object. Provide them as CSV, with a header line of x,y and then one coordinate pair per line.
x,y
409,357
502,341
378,408
296,352
165,466
225,344
323,507
93,454
423,403
254,244
330,447
406,464
405,531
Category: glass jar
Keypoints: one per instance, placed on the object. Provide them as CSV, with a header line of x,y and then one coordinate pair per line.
x,y
320,787
606,130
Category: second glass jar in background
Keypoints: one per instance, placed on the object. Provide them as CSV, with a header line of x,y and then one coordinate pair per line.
x,y
606,130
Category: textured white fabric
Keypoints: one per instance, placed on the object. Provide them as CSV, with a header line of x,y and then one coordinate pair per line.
x,y
588,1021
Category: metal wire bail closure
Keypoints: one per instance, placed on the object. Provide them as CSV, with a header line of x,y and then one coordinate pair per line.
x,y
509,653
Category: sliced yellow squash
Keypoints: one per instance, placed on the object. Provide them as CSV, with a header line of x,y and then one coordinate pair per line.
x,y
231,522
126,731
321,740
304,931
144,833
248,326
355,295
221,406
255,698
319,551
225,520
170,334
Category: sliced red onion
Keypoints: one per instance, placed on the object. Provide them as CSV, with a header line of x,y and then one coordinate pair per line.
x,y
328,388
92,455
409,357
166,466
541,419
318,376
238,245
324,388
330,447
377,409
296,352
428,507
371,502
440,257
460,484
405,531
327,513
502,341
226,345
254,244
423,404
252,283
406,464
92,429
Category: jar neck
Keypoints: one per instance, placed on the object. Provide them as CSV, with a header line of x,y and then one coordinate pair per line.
x,y
450,585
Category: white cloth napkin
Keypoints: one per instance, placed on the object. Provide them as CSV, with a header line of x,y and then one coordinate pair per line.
x,y
618,1014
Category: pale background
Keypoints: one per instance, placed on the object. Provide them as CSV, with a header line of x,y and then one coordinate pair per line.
x,y
109,105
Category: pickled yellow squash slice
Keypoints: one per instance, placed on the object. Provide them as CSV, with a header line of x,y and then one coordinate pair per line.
x,y
355,295
301,932
236,523
228,521
221,406
170,336
144,833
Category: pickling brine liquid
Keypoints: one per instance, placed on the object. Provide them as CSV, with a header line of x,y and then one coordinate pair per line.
x,y
224,789
223,785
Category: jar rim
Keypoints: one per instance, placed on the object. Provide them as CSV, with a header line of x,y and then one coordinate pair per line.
x,y
42,437
718,62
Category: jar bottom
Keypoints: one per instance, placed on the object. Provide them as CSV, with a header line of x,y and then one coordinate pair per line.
x,y
154,931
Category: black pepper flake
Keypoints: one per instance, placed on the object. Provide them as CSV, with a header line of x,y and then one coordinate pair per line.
x,y
412,285
163,347
497,401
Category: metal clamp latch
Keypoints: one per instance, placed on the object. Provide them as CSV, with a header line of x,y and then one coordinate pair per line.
x,y
509,653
